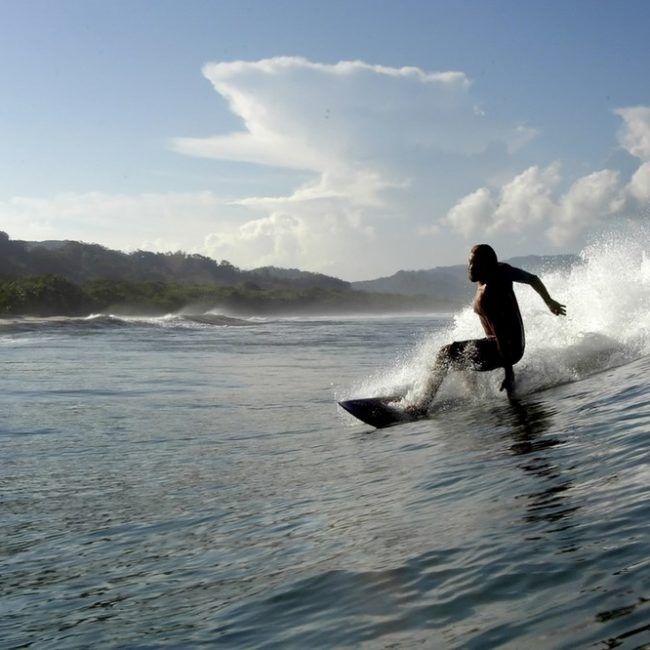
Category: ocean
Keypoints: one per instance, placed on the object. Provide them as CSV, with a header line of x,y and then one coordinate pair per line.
x,y
189,480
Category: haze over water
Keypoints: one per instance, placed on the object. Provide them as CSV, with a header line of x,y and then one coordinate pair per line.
x,y
184,483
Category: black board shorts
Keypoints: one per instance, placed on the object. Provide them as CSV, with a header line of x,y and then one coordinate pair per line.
x,y
475,354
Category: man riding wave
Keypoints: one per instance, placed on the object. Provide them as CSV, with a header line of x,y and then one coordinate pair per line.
x,y
496,305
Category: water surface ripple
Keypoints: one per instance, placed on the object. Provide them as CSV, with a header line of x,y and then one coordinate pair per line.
x,y
187,484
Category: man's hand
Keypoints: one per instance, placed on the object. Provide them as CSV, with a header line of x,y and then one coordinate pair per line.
x,y
556,308
508,383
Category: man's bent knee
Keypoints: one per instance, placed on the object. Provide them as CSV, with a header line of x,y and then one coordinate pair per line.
x,y
447,354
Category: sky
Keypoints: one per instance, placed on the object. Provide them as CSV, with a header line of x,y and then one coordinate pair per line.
x,y
351,138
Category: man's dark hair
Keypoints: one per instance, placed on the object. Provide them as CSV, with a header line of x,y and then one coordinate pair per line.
x,y
486,254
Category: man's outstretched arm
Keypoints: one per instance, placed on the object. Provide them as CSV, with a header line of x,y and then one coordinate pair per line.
x,y
555,307
519,275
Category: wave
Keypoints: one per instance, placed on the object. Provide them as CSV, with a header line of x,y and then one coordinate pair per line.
x,y
171,320
102,321
216,320
607,325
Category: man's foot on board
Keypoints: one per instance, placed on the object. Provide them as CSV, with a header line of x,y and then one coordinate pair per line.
x,y
416,411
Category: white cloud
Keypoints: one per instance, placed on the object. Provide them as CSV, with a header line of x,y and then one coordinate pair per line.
x,y
386,145
520,203
276,236
530,197
589,200
634,135
305,115
527,200
362,187
473,213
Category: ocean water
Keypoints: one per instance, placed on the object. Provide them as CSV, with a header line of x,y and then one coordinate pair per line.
x,y
190,481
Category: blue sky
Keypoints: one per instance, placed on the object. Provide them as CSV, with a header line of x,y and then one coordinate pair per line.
x,y
357,170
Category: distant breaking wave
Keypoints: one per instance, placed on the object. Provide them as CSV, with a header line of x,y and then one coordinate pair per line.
x,y
111,321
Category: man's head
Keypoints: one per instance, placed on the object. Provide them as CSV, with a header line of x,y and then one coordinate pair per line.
x,y
482,262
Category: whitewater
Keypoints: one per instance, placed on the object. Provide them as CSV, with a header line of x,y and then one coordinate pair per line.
x,y
188,481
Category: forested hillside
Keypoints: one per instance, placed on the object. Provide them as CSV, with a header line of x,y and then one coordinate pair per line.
x,y
80,262
67,278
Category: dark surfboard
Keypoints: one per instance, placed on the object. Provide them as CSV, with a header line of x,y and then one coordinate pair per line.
x,y
378,413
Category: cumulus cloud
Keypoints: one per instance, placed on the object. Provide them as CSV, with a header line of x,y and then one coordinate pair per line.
x,y
306,115
383,144
474,213
523,201
589,200
275,236
531,197
634,136
290,238
528,199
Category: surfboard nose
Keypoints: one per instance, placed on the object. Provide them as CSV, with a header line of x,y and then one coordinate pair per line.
x,y
373,411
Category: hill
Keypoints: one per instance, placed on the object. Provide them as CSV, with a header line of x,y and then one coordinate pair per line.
x,y
79,262
69,278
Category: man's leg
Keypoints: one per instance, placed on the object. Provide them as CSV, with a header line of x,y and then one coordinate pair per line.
x,y
475,354
448,357
441,367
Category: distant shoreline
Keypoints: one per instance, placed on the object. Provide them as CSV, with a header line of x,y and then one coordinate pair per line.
x,y
51,295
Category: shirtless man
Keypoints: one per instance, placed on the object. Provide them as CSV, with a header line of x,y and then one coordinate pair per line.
x,y
496,306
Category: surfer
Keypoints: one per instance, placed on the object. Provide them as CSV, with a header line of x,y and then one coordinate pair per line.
x,y
496,306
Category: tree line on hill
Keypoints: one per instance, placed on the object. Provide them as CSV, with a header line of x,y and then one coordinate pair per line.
x,y
51,295
73,279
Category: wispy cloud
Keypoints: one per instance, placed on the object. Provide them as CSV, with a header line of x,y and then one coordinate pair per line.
x,y
152,221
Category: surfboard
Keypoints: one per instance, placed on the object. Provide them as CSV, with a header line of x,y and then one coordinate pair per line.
x,y
378,413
